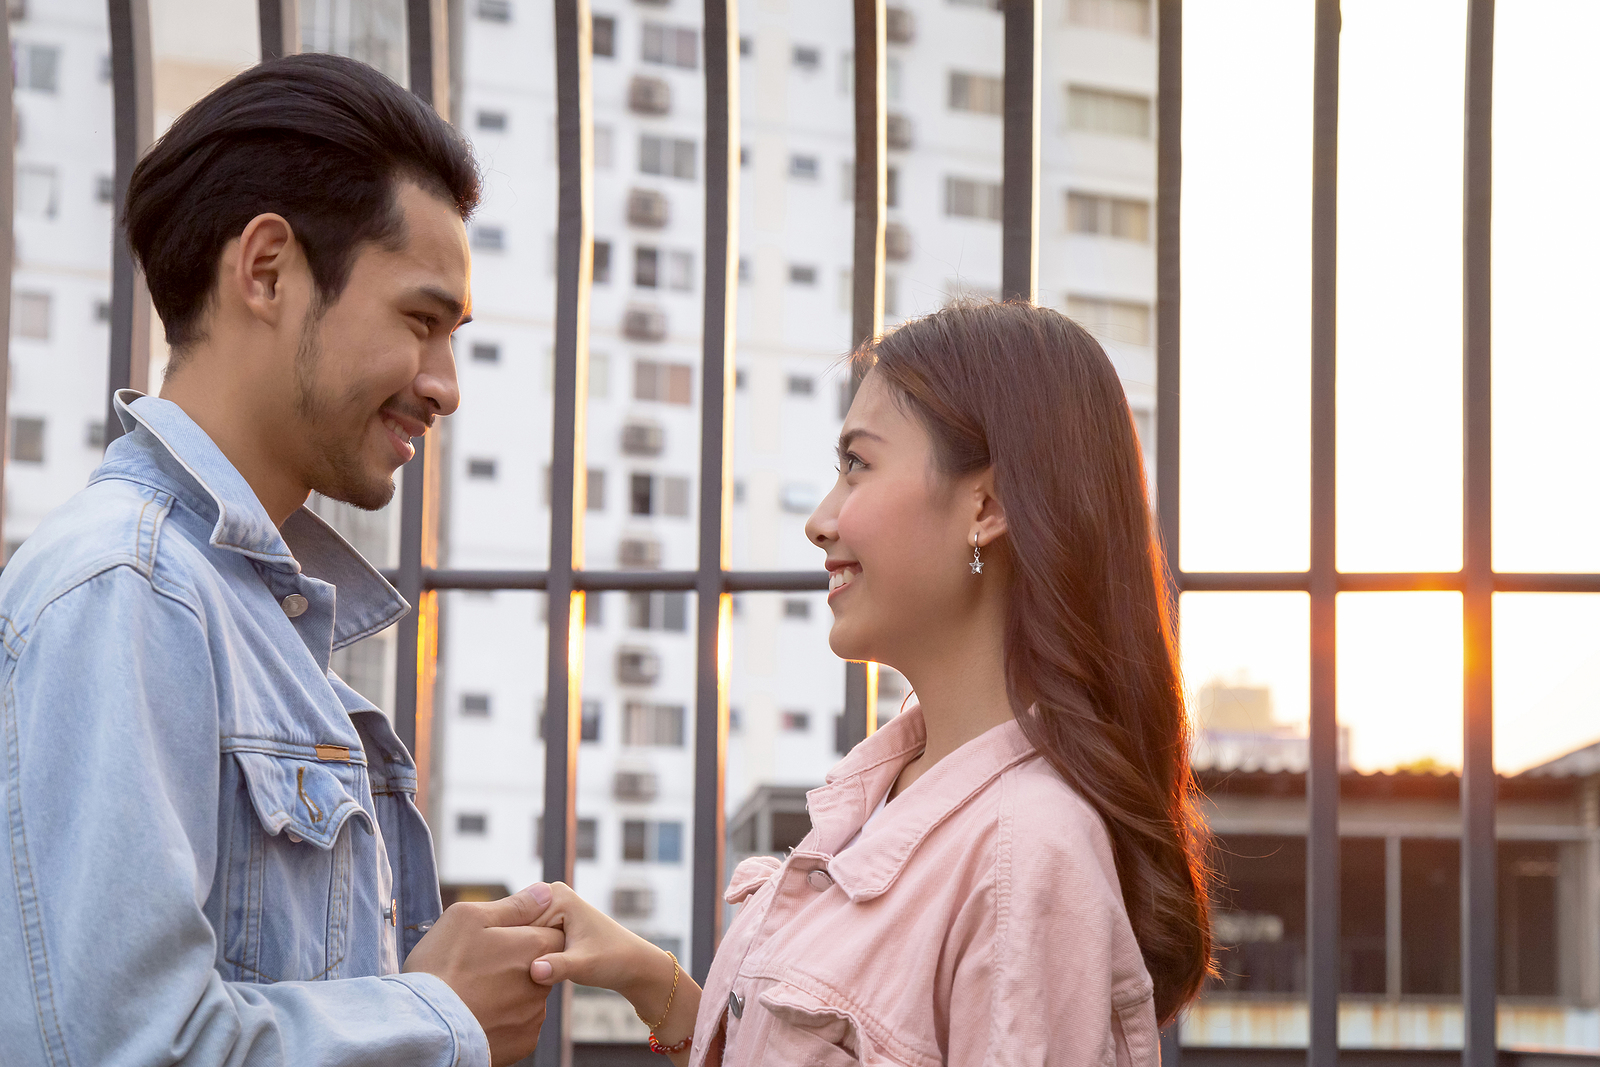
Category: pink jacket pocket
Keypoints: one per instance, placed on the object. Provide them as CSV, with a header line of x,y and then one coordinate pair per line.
x,y
749,876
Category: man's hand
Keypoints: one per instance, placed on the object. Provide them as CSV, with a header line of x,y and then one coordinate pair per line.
x,y
484,953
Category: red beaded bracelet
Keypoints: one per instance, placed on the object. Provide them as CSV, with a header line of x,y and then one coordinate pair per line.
x,y
657,1046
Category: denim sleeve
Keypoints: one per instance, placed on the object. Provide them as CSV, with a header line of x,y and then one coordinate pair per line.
x,y
109,736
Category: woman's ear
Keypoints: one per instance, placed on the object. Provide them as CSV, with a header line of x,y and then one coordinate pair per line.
x,y
989,514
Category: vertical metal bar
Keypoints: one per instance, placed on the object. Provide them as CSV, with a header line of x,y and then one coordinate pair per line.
x,y
133,118
1478,859
280,27
1392,943
866,275
1019,243
714,606
568,481
1169,282
1322,784
416,638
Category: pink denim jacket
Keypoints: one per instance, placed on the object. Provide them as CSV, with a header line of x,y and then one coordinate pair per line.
x,y
978,920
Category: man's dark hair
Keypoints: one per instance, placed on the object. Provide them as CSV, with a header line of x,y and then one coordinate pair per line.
x,y
322,140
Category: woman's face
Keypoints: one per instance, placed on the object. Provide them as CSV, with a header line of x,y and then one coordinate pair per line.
x,y
898,535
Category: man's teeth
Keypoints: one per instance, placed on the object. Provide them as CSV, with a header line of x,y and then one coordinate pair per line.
x,y
840,578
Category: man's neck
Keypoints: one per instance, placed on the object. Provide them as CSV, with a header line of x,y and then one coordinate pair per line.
x,y
229,410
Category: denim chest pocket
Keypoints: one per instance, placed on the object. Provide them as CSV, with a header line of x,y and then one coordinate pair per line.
x,y
288,868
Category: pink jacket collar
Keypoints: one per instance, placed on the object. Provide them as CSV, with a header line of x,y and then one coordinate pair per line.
x,y
838,809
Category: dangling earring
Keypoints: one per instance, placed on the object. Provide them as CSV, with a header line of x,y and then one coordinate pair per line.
x,y
977,560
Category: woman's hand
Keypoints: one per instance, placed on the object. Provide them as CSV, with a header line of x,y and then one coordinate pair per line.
x,y
601,952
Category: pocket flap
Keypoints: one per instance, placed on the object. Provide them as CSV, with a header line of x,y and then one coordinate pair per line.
x,y
304,797
804,1011
749,876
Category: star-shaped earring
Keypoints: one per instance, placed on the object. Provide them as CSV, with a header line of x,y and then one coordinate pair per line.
x,y
977,560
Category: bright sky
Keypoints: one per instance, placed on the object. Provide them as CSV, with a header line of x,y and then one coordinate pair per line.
x,y
1246,343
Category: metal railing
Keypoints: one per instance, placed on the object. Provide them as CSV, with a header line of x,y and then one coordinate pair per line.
x,y
566,581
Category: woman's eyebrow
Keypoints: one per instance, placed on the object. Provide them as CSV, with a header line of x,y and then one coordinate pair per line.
x,y
849,436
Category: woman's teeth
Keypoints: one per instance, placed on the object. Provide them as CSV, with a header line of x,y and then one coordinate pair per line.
x,y
839,579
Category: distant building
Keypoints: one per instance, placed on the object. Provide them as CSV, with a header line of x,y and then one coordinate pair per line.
x,y
1235,730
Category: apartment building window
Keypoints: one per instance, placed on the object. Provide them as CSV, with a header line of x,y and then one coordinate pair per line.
x,y
589,716
481,468
1124,321
27,439
976,92
969,198
891,187
633,902
38,67
1118,16
475,705
639,552
472,824
659,611
30,316
94,434
37,192
670,46
802,274
635,785
638,666
102,311
671,157
804,167
595,497
669,382
603,151
795,608
602,262
650,494
663,268
493,121
807,57
652,842
1106,111
587,837
494,10
801,385
485,352
794,722
745,271
652,725
747,46
105,189
489,238
1109,216
603,36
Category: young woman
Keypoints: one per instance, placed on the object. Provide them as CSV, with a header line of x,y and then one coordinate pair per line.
x,y
1011,870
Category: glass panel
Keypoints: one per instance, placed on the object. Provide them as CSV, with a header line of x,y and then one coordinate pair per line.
x,y
61,270
1544,345
1246,237
1399,680
1400,130
1245,664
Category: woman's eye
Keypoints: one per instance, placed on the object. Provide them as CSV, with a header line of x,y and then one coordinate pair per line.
x,y
850,462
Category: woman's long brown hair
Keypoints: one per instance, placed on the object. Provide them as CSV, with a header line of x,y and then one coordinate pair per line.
x,y
1089,639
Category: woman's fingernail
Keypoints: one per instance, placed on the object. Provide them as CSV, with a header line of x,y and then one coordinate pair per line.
x,y
541,894
541,971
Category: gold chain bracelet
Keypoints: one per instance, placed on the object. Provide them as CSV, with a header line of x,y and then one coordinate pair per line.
x,y
676,971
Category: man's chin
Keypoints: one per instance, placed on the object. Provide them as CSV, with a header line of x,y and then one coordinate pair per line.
x,y
368,494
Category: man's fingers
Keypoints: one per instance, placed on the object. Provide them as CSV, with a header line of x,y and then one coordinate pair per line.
x,y
548,970
529,942
519,909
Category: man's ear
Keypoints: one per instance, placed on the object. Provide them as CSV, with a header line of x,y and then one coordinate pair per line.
x,y
990,514
267,253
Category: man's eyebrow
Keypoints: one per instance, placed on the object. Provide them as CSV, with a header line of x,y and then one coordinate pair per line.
x,y
455,308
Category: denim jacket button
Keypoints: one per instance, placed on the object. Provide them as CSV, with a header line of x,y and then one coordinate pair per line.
x,y
736,1005
819,879
295,605
391,910
294,838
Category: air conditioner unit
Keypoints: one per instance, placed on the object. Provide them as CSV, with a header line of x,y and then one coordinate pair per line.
x,y
898,132
639,553
896,241
641,323
635,786
643,439
899,25
648,208
635,902
649,95
638,666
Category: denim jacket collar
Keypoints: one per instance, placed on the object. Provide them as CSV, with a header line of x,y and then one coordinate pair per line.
x,y
838,809
166,447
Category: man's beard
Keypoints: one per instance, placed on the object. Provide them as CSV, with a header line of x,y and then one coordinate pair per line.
x,y
338,472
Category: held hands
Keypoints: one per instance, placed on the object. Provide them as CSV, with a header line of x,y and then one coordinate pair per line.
x,y
600,952
483,953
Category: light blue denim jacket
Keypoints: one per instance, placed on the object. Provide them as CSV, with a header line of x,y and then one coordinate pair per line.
x,y
192,800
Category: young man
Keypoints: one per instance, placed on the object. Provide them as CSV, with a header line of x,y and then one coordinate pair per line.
x,y
213,852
